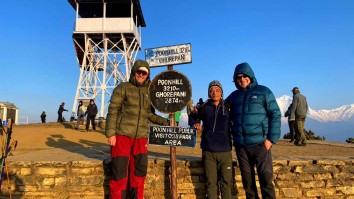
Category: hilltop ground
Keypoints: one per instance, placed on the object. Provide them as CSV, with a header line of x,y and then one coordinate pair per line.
x,y
60,142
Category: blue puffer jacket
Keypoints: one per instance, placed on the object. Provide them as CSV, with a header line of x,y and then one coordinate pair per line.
x,y
216,135
255,114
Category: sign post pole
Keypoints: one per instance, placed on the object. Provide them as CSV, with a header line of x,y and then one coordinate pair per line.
x,y
169,92
173,180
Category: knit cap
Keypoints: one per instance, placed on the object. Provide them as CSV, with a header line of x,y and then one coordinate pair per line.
x,y
218,84
215,83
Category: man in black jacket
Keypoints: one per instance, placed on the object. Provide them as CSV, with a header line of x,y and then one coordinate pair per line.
x,y
60,112
216,142
291,124
91,113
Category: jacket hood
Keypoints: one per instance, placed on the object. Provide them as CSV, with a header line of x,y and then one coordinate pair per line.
x,y
246,69
139,63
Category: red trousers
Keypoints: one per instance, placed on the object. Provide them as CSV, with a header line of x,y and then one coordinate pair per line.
x,y
129,165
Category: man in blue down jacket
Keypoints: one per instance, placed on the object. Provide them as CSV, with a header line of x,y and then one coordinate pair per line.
x,y
255,125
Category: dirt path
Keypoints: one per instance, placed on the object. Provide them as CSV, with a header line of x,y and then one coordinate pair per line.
x,y
60,142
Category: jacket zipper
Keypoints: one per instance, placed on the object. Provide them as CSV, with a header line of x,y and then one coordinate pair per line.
x,y
137,126
216,115
242,112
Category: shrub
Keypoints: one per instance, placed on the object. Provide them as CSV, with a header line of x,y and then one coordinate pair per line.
x,y
350,140
310,135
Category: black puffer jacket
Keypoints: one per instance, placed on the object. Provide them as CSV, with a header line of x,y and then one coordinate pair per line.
x,y
91,110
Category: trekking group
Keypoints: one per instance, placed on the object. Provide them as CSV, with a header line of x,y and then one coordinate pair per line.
x,y
248,119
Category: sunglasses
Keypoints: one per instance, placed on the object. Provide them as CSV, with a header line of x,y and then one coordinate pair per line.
x,y
241,76
140,72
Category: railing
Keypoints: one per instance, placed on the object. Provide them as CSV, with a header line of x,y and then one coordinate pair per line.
x,y
107,25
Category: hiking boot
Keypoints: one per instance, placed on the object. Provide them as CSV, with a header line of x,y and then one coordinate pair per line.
x,y
302,144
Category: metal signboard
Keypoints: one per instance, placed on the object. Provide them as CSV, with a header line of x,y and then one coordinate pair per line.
x,y
169,55
170,91
172,136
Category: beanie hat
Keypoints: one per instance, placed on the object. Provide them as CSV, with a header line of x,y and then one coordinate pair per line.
x,y
215,83
218,84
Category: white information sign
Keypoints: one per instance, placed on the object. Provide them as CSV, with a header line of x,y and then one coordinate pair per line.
x,y
169,55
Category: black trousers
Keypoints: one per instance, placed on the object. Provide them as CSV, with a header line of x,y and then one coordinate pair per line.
x,y
259,156
90,118
60,117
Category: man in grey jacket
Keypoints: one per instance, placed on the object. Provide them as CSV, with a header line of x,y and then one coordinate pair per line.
x,y
298,113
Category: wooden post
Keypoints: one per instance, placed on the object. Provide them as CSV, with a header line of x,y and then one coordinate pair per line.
x,y
173,179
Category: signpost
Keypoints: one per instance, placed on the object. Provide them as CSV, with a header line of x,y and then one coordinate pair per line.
x,y
169,55
172,136
170,91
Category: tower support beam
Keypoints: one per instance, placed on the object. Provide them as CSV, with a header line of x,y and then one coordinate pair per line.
x,y
105,60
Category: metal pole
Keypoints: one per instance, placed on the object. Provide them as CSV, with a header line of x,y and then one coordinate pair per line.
x,y
173,180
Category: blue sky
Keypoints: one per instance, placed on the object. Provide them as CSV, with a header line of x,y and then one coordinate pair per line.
x,y
309,44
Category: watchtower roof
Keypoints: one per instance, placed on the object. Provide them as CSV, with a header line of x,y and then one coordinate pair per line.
x,y
115,9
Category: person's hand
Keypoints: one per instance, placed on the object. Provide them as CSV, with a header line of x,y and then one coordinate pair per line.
x,y
112,140
197,126
268,144
195,108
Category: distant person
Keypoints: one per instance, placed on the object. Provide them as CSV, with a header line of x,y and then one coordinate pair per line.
x,y
60,112
43,117
298,114
200,102
291,124
255,125
216,142
91,113
81,109
127,131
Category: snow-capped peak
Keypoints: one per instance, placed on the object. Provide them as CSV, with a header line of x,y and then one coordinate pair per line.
x,y
343,113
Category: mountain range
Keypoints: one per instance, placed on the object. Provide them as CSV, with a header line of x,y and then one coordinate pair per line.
x,y
334,124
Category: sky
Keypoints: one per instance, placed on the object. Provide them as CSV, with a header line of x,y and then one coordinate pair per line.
x,y
308,44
